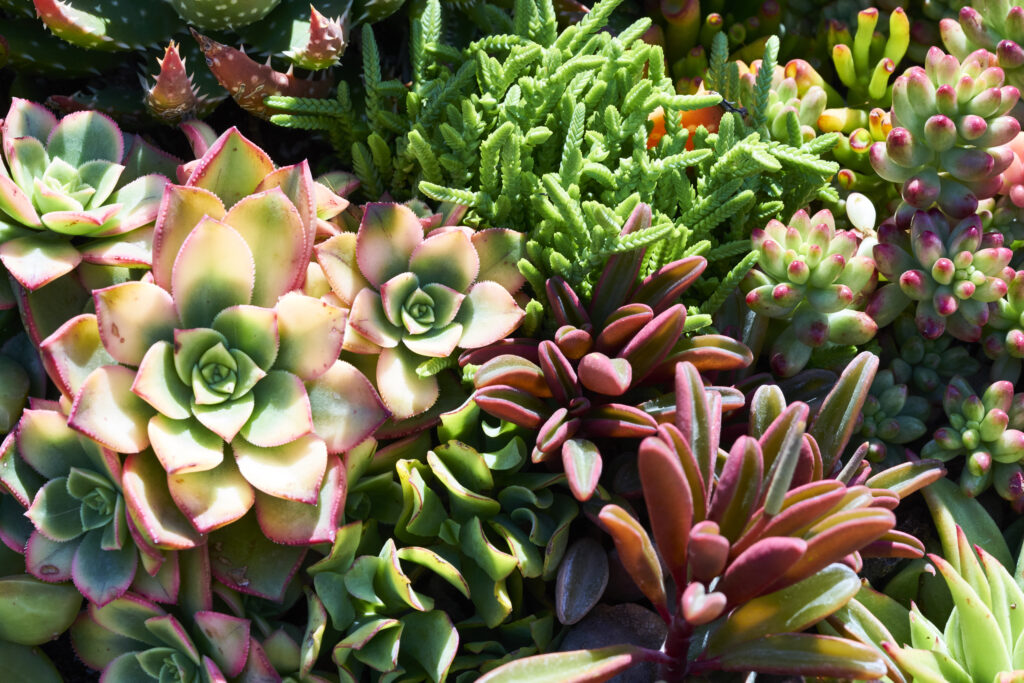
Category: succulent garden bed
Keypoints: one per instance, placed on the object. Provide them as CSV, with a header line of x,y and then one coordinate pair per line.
x,y
511,341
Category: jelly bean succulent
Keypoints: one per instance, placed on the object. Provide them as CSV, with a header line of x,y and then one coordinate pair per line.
x,y
416,297
71,191
811,276
220,382
993,25
892,418
953,272
986,430
742,541
951,128
924,365
1004,339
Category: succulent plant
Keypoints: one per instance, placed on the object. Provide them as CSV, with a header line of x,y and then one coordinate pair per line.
x,y
987,431
766,525
415,297
993,25
891,418
1004,342
812,277
576,388
924,365
71,192
216,350
952,271
864,64
950,131
792,104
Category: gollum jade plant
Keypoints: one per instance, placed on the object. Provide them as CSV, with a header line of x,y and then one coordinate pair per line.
x,y
760,547
219,382
417,297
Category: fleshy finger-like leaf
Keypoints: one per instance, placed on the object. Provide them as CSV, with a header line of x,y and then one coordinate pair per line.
x,y
578,666
805,654
667,494
836,419
637,554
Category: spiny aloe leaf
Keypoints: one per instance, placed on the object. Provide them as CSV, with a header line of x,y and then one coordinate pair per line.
x,y
578,666
103,25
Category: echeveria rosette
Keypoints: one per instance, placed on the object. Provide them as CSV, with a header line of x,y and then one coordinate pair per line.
x,y
217,350
72,490
948,145
812,276
416,297
987,431
952,271
64,181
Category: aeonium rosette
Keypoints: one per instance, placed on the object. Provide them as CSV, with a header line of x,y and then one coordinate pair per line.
x,y
215,349
414,297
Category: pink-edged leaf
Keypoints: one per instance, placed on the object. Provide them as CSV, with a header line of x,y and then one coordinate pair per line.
x,y
368,318
244,559
311,332
565,304
436,343
211,498
132,249
140,205
162,587
759,567
107,411
158,384
281,413
654,342
86,136
797,654
803,507
214,270
48,560
132,317
487,314
184,446
698,424
618,420
404,392
558,373
51,448
72,352
297,183
709,352
738,489
291,523
102,575
81,222
231,168
637,554
707,551
582,463
499,250
660,289
620,271
28,119
622,326
395,292
700,607
447,258
604,375
272,227
293,471
226,419
337,257
150,505
511,404
512,370
227,639
16,204
577,666
36,261
181,209
388,235
670,502
345,408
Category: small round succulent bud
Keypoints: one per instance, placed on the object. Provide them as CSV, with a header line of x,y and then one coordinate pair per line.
x,y
891,417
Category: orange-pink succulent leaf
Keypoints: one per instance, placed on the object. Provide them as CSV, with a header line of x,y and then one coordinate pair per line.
x,y
839,539
132,317
290,523
807,654
908,477
620,272
150,505
73,351
184,446
292,471
337,258
36,261
894,544
447,258
739,488
388,235
604,375
250,82
637,554
618,420
582,463
173,96
404,392
181,209
558,373
226,639
577,666
312,333
789,610
211,498
512,370
511,404
670,435
369,319
345,408
802,508
758,567
272,227
106,410
654,341
661,289
694,418
214,270
667,494
781,443
281,413
297,183
488,314
622,325
565,304
711,352
835,420
706,552
231,168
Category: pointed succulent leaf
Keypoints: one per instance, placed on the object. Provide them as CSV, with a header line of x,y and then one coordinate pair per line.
x,y
927,666
781,445
311,332
231,168
151,507
73,352
281,411
292,471
244,559
694,418
759,567
804,654
227,639
577,666
55,512
48,560
211,498
86,136
337,257
487,314
214,270
172,96
388,236
403,391
290,523
738,489
322,45
38,261
181,210
107,411
132,317
499,251
102,575
637,554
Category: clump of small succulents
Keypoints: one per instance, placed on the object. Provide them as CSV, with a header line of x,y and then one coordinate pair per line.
x,y
891,418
